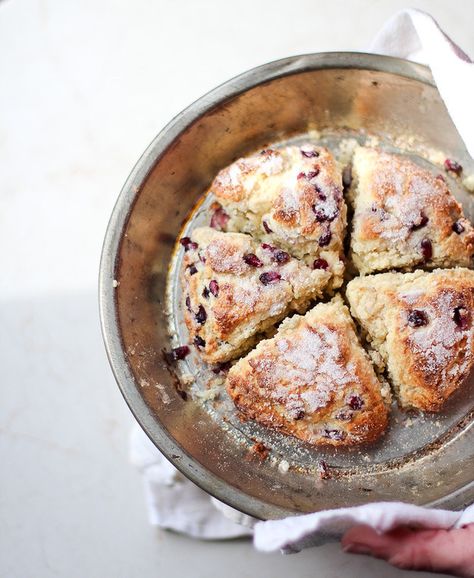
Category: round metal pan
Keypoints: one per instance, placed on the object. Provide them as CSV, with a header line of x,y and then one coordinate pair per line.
x,y
328,97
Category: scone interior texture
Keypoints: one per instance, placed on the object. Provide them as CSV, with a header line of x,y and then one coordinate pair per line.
x,y
312,380
291,197
235,288
419,326
404,216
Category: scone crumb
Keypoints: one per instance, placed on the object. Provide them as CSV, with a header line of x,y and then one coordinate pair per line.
x,y
468,183
259,450
209,394
283,467
115,283
323,470
187,379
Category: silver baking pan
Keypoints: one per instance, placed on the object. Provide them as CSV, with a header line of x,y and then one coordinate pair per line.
x,y
328,98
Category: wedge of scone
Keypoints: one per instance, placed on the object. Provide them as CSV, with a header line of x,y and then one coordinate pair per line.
x,y
235,287
420,328
404,216
312,380
290,197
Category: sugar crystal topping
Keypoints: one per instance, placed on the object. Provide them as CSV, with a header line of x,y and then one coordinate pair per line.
x,y
437,343
311,361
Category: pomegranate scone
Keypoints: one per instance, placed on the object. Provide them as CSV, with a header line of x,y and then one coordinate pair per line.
x,y
313,381
290,197
420,328
404,216
235,288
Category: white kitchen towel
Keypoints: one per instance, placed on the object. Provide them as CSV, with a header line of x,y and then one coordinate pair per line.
x,y
296,533
415,35
176,503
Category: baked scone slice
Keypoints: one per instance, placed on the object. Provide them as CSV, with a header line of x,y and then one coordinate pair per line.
x,y
420,328
235,287
404,216
290,197
312,380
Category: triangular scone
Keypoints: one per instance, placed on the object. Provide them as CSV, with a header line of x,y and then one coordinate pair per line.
x,y
235,287
420,328
290,197
312,380
404,216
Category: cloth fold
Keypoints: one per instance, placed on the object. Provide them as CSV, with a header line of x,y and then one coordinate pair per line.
x,y
176,503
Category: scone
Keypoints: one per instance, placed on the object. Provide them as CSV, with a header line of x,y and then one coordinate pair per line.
x,y
420,328
404,216
235,288
312,380
290,197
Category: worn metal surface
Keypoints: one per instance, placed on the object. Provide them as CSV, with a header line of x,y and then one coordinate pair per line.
x,y
341,94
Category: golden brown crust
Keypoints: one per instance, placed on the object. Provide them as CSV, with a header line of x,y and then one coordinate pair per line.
x,y
313,381
227,303
404,216
421,325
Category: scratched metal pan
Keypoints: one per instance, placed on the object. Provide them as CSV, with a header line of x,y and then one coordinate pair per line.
x,y
422,460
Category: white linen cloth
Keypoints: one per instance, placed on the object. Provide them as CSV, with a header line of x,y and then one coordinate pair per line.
x,y
176,503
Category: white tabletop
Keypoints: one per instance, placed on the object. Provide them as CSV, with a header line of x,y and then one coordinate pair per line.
x,y
85,86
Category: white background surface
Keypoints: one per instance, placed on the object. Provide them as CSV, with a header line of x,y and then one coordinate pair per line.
x,y
85,86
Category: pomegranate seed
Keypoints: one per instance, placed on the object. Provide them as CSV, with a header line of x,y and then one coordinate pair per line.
x,y
180,352
417,318
309,154
323,470
199,341
462,317
334,434
221,367
453,166
188,303
426,249
201,315
320,215
205,293
252,260
188,244
355,402
422,223
266,227
270,277
458,227
219,219
192,269
347,177
310,175
214,287
321,264
278,256
325,239
321,195
281,257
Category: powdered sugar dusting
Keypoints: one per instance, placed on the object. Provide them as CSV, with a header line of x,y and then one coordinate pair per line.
x,y
437,344
404,192
309,362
